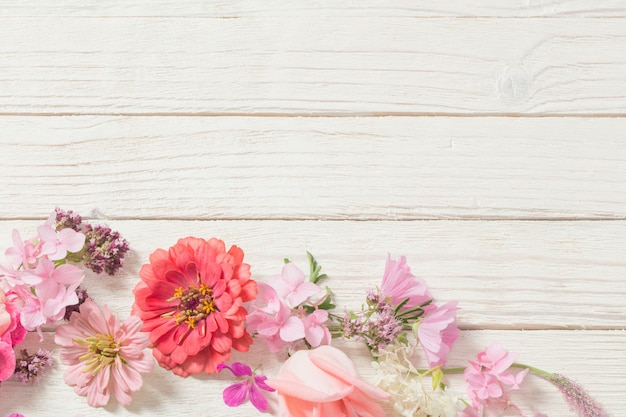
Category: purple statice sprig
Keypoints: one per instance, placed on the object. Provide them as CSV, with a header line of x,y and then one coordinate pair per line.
x,y
247,386
31,368
82,295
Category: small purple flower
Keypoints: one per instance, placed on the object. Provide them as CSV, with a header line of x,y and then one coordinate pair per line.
x,y
67,219
104,249
248,385
82,295
30,368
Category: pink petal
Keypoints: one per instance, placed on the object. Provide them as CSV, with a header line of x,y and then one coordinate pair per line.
x,y
257,399
71,240
235,394
292,329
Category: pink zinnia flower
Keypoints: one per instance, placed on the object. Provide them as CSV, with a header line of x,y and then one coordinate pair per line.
x,y
437,333
399,284
190,300
248,386
103,355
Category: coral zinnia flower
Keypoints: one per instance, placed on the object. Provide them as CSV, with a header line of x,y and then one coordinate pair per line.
x,y
103,355
190,299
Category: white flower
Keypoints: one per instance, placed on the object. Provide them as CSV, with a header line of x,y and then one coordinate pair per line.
x,y
411,394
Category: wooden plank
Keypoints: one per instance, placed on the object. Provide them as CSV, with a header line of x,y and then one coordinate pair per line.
x,y
315,168
590,357
312,65
246,8
505,275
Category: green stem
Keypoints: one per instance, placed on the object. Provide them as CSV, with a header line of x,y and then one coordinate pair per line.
x,y
532,369
540,372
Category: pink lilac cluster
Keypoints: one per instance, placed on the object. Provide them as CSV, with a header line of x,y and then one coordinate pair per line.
x,y
285,314
401,302
491,382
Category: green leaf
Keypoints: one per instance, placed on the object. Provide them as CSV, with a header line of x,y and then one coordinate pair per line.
x,y
286,261
437,376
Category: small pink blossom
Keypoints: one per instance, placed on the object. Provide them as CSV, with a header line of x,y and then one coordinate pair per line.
x,y
437,333
248,386
23,253
103,355
489,381
315,331
272,320
399,283
56,246
292,287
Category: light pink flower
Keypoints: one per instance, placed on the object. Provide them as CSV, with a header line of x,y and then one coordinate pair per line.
x,y
103,355
437,333
325,382
291,285
23,253
315,331
273,321
489,381
45,302
399,284
56,246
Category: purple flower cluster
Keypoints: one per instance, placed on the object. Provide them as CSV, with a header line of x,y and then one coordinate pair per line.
x,y
30,368
378,326
82,295
65,219
104,249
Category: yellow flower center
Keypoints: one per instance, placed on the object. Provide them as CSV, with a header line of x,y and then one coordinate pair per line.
x,y
101,352
194,305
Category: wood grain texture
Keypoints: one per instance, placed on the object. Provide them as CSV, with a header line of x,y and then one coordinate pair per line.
x,y
288,8
587,356
312,66
506,275
315,168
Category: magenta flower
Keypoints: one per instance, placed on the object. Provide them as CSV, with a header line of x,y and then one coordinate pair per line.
x,y
103,355
437,333
399,284
248,386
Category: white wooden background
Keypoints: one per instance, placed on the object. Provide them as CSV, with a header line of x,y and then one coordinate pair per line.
x,y
484,140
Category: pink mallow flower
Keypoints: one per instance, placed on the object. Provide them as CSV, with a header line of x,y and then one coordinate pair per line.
x,y
399,284
437,332
103,355
248,386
